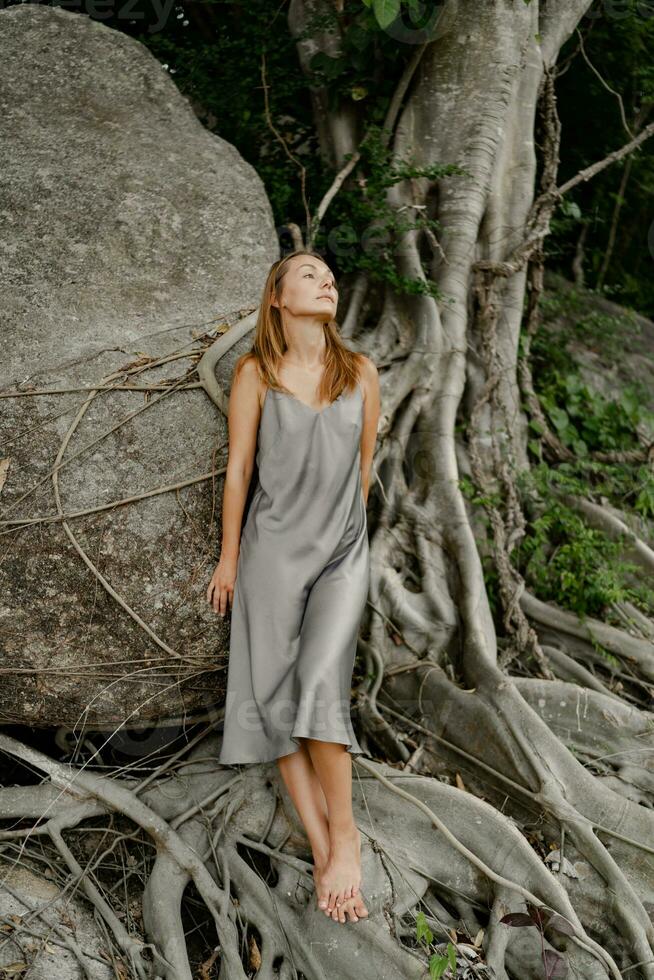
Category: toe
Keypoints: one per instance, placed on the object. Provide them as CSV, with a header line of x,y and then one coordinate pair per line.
x,y
360,907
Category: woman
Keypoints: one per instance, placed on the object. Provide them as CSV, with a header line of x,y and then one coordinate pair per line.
x,y
297,577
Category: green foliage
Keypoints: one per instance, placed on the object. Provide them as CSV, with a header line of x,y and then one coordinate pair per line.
x,y
438,962
561,557
585,420
470,491
370,60
618,38
568,562
214,54
364,229
386,11
564,225
602,332
230,59
216,61
606,332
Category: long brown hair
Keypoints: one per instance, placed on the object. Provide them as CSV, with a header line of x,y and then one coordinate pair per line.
x,y
342,365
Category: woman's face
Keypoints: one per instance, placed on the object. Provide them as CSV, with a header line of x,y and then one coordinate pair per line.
x,y
308,288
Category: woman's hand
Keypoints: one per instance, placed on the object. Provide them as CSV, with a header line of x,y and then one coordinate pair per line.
x,y
220,592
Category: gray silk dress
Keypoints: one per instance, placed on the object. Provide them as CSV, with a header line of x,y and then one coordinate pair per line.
x,y
302,581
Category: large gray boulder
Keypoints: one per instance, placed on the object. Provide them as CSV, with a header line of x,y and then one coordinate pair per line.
x,y
128,232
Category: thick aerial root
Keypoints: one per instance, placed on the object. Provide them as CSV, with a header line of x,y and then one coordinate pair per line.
x,y
162,903
506,751
616,641
475,849
615,739
566,668
39,920
121,798
235,838
615,527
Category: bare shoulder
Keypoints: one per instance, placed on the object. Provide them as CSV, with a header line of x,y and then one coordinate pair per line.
x,y
247,379
369,375
368,368
245,367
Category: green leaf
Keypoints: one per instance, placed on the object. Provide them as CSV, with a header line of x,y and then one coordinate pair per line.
x,y
571,209
386,11
330,67
573,383
422,929
629,401
560,418
451,952
358,37
437,966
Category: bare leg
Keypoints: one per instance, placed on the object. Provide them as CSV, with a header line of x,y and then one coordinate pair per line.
x,y
309,800
341,876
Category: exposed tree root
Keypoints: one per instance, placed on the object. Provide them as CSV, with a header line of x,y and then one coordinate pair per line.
x,y
617,641
222,831
615,528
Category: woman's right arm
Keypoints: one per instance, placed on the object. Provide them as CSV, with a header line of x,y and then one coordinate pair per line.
x,y
243,422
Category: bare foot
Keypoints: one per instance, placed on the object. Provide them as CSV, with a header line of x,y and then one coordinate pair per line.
x,y
355,908
341,876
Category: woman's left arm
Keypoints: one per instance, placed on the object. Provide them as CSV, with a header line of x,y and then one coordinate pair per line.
x,y
371,411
